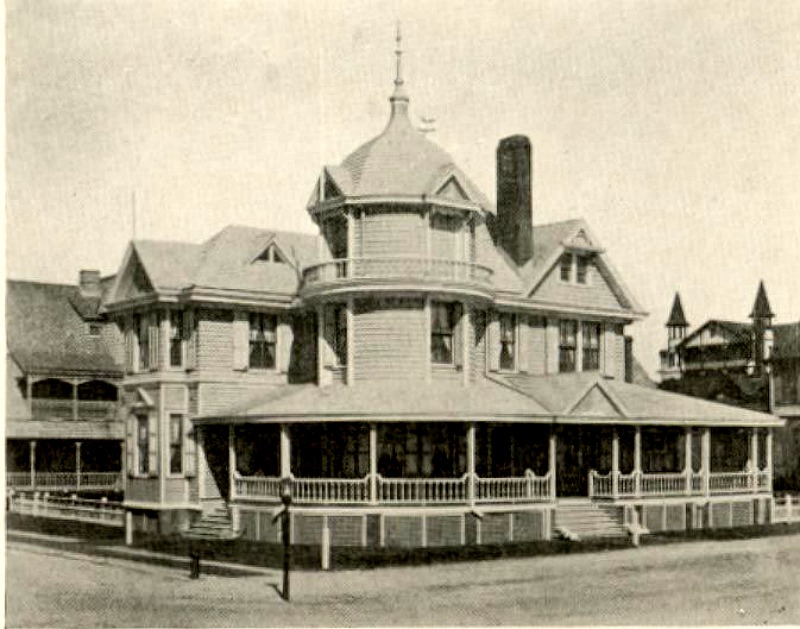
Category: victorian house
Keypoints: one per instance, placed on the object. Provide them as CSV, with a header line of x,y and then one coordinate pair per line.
x,y
63,370
429,370
754,365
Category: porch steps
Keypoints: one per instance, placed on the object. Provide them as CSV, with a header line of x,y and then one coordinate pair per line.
x,y
576,520
214,524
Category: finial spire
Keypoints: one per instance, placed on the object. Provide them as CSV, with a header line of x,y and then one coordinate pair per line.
x,y
399,98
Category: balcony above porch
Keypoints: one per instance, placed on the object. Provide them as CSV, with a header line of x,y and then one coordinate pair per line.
x,y
348,275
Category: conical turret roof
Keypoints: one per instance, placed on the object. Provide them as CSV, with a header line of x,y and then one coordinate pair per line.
x,y
761,307
676,316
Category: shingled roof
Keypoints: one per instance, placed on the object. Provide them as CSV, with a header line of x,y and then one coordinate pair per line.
x,y
46,332
676,317
786,340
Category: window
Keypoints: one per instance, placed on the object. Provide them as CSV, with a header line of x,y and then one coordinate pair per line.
x,y
508,334
444,317
340,334
175,444
176,338
567,345
566,267
582,269
142,445
591,346
95,329
262,341
142,328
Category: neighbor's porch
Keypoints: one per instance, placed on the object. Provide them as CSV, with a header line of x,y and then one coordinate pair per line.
x,y
473,464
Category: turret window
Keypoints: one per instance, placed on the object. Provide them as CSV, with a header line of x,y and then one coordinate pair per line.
x,y
508,338
142,445
566,267
142,326
262,341
444,319
340,334
176,338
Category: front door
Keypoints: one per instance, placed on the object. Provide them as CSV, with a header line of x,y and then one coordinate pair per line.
x,y
579,450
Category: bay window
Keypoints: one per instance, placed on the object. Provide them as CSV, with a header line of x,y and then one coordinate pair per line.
x,y
444,320
176,336
567,345
262,341
591,346
508,336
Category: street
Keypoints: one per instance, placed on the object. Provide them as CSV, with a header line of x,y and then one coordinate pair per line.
x,y
743,582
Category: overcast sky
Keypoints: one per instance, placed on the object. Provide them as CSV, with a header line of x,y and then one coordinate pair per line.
x,y
672,127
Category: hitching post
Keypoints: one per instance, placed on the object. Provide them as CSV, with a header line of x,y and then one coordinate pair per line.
x,y
283,514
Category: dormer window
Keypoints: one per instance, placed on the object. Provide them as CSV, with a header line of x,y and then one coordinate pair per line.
x,y
271,254
574,268
95,329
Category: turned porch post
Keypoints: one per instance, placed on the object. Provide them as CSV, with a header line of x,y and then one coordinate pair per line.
x,y
637,461
286,452
373,463
231,463
754,458
768,462
552,463
471,463
705,457
615,464
32,446
687,459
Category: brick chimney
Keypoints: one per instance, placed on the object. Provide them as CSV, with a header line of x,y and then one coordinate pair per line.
x,y
89,283
514,207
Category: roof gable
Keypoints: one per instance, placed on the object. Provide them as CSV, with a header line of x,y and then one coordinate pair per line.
x,y
596,402
716,332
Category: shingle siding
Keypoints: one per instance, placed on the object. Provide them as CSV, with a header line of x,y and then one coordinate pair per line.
x,y
215,340
392,233
597,294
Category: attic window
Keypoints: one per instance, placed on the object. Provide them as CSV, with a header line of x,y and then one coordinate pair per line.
x,y
574,269
271,254
95,329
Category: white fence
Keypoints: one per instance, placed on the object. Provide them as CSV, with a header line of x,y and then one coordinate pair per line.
x,y
68,508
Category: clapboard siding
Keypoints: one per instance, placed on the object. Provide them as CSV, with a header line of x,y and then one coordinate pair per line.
x,y
215,340
175,490
215,397
618,355
477,354
389,339
597,294
386,232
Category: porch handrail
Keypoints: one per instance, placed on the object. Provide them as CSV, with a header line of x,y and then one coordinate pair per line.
x,y
422,491
64,480
69,508
730,482
331,490
513,489
663,483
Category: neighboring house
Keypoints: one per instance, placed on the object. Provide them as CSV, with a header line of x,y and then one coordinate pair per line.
x,y
428,371
751,365
63,369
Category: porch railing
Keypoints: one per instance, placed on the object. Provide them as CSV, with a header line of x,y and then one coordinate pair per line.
x,y
527,488
675,483
83,410
786,509
397,491
65,481
69,508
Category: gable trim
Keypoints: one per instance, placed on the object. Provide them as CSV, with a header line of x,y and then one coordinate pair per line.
x,y
598,385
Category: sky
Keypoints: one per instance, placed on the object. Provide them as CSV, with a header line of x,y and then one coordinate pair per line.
x,y
672,127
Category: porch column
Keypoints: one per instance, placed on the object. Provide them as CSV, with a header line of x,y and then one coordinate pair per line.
x,y
231,463
768,462
32,445
754,458
286,452
373,463
75,415
687,459
615,465
705,456
637,461
351,239
471,463
351,346
77,464
551,471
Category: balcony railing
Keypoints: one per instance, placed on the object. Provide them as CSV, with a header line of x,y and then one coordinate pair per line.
x,y
65,481
675,484
398,267
68,410
398,491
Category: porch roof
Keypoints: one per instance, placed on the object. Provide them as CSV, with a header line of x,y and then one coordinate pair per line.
x,y
564,398
402,400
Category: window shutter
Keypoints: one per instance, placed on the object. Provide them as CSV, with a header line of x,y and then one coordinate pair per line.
x,y
609,353
152,442
284,349
523,342
458,336
241,340
130,343
329,355
493,347
553,342
130,440
152,332
191,338
189,447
